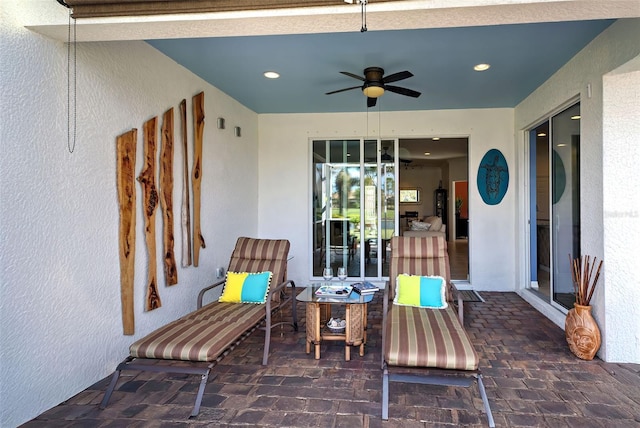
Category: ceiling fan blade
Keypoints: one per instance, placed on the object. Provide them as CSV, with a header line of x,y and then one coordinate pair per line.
x,y
355,76
371,102
342,90
402,91
397,76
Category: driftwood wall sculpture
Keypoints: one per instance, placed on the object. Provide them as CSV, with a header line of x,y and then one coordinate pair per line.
x,y
186,203
125,166
166,198
126,162
150,197
198,125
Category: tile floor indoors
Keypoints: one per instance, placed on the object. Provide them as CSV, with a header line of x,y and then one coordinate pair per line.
x,y
530,376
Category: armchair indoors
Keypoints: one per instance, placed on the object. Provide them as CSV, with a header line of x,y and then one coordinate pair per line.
x,y
424,341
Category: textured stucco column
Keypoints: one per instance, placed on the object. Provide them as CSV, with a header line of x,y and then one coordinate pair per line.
x,y
621,205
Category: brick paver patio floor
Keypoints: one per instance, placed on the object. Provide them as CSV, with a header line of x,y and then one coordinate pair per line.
x,y
530,376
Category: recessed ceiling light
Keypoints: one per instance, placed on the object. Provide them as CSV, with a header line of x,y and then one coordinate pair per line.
x,y
576,117
481,67
271,75
561,145
542,134
435,138
427,153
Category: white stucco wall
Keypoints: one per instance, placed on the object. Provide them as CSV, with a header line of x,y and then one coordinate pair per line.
x,y
60,317
614,47
285,176
621,181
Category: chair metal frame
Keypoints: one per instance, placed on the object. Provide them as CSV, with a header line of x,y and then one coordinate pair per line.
x,y
432,375
201,368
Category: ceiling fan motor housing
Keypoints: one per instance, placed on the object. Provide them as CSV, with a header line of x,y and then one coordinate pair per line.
x,y
373,74
373,85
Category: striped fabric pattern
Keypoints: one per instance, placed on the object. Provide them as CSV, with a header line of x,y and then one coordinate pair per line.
x,y
419,256
261,255
204,334
200,336
420,337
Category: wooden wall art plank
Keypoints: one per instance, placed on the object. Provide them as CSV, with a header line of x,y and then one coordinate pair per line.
x,y
126,162
186,202
198,124
166,198
150,197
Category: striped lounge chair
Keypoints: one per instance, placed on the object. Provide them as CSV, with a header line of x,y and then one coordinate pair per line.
x,y
209,332
423,345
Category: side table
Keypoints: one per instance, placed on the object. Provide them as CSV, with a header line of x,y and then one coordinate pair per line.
x,y
319,313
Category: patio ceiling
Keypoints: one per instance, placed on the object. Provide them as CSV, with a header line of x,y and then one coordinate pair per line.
x,y
439,42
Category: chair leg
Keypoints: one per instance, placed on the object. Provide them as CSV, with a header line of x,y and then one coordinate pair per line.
x,y
267,339
485,400
385,394
203,384
111,387
294,312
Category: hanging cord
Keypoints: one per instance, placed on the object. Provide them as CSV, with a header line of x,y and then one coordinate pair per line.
x,y
367,129
379,131
71,87
363,8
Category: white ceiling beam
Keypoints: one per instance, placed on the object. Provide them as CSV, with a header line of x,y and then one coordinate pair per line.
x,y
343,18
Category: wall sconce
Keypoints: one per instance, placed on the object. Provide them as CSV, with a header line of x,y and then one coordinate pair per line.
x,y
221,123
238,131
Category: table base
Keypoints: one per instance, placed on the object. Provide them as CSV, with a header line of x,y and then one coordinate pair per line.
x,y
318,314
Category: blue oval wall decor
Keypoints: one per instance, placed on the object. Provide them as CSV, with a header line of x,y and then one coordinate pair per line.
x,y
493,177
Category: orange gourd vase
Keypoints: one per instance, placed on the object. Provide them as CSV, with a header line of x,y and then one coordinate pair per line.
x,y
582,332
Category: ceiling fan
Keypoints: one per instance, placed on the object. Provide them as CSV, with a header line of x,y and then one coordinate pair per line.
x,y
375,84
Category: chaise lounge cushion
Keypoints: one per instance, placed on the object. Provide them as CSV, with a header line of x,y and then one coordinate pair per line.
x,y
427,338
201,335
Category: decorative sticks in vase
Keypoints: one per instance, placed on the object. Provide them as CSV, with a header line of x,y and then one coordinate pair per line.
x,y
584,280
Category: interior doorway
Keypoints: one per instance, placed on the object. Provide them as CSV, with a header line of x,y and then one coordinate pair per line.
x,y
432,166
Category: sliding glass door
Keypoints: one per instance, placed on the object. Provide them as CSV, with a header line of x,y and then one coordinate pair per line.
x,y
555,205
352,206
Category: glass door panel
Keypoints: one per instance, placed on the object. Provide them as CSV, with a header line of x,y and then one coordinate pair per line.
x,y
542,220
565,208
369,230
388,210
344,173
555,205
353,188
319,204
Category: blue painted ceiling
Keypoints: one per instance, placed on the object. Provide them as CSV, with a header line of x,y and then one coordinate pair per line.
x,y
522,57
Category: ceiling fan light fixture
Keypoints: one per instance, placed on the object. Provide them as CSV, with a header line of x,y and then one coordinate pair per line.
x,y
373,90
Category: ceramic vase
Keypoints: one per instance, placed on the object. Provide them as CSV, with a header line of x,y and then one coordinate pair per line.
x,y
582,332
